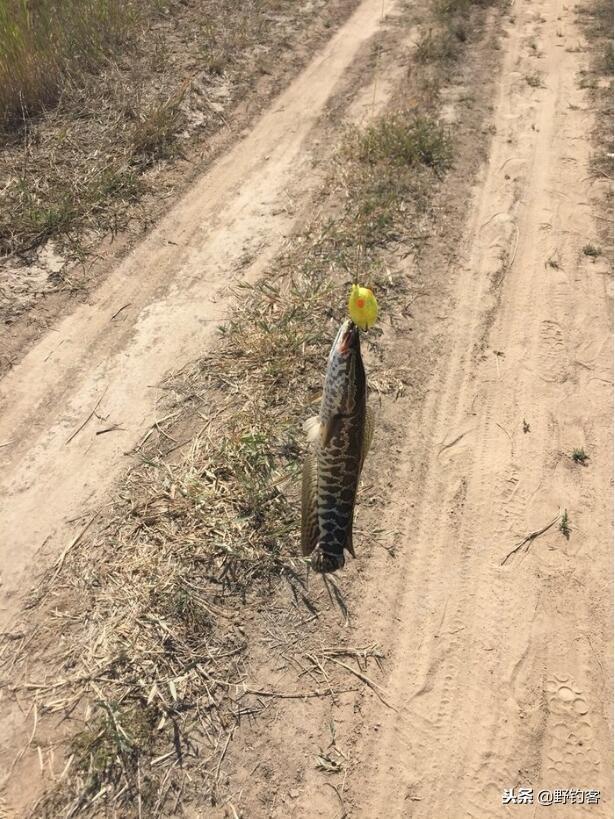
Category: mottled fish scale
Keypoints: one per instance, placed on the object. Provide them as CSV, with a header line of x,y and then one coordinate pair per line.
x,y
341,436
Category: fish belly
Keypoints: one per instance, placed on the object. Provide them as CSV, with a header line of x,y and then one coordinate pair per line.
x,y
338,478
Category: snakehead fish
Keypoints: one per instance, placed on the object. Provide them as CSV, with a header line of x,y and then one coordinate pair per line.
x,y
339,440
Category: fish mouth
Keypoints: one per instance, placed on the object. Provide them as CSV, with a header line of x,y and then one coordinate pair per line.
x,y
325,562
347,338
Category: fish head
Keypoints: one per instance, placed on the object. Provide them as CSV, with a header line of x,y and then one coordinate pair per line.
x,y
345,380
347,340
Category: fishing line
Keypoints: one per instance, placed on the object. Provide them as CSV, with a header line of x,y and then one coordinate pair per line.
x,y
377,65
360,249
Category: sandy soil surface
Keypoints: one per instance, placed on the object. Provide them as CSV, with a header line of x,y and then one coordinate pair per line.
x,y
498,652
160,307
497,646
86,394
500,662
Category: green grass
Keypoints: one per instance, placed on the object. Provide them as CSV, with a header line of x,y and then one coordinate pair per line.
x,y
579,456
445,9
394,162
454,27
598,16
65,204
44,42
564,525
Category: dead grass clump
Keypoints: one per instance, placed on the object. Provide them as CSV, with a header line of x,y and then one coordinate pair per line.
x,y
157,655
41,43
154,133
155,660
404,139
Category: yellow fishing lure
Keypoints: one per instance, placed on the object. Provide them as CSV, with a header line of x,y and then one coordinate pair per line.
x,y
362,307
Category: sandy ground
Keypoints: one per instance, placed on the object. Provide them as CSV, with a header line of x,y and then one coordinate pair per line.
x,y
498,664
170,292
497,670
501,669
86,394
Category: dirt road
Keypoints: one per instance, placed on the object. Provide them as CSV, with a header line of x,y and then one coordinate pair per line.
x,y
160,308
501,676
497,644
495,620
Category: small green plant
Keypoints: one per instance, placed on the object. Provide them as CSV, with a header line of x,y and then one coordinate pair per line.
x,y
591,250
579,456
564,525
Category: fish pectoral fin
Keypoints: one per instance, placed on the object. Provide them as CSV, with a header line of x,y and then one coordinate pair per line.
x,y
310,531
368,433
312,427
330,429
319,433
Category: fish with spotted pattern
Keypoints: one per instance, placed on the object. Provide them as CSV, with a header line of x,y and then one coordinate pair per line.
x,y
339,438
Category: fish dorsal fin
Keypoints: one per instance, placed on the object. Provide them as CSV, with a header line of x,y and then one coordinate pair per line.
x,y
310,530
312,428
368,433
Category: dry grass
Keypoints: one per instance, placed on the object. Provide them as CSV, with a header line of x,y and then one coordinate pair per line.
x,y
141,626
451,24
153,663
98,157
43,43
596,17
405,140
